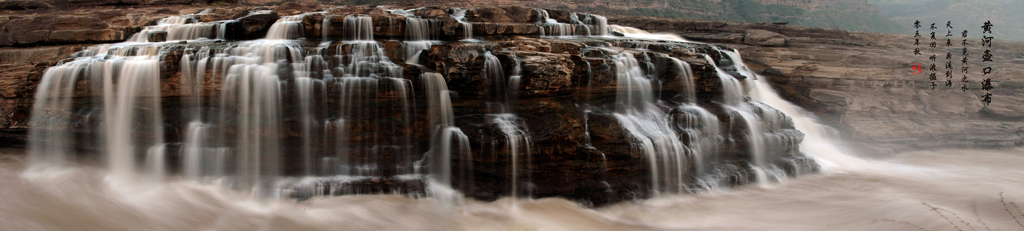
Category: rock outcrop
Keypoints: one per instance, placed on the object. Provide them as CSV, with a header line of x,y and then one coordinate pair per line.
x,y
863,85
564,91
565,97
764,38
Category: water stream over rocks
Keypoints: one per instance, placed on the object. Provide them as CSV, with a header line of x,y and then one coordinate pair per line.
x,y
421,102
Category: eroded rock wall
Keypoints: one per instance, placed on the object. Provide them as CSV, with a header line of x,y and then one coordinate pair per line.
x,y
579,148
863,85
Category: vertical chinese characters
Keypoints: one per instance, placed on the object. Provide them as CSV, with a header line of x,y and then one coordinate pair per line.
x,y
986,43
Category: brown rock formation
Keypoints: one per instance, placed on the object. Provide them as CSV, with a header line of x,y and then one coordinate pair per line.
x,y
764,38
863,85
566,98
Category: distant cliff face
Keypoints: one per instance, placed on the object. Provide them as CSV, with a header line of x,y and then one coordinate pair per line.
x,y
814,4
854,15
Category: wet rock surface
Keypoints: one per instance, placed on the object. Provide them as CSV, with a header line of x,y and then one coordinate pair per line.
x,y
565,99
862,84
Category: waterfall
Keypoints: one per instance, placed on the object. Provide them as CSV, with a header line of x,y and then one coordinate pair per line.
x,y
763,127
460,16
421,35
52,112
515,80
325,28
356,94
584,29
590,25
632,32
816,144
369,87
755,138
308,82
183,27
305,88
686,80
137,77
358,27
280,116
252,89
701,127
194,67
646,126
418,29
194,151
704,132
131,111
600,24
551,27
244,138
444,134
366,59
502,117
288,27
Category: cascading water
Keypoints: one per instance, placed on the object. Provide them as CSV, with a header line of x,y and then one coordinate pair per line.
x,y
632,32
183,27
460,16
288,27
252,89
258,114
421,35
598,22
443,134
51,114
551,27
358,27
325,28
137,88
128,80
816,144
701,128
610,119
761,133
363,72
499,107
645,123
591,25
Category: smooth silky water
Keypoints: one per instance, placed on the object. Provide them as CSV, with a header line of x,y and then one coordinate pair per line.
x,y
899,194
921,190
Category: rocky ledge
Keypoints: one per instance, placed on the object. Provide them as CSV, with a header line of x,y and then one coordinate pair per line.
x,y
565,101
863,84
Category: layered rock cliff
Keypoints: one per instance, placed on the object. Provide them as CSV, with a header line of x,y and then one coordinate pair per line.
x,y
593,118
863,83
565,129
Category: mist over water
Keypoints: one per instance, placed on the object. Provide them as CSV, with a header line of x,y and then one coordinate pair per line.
x,y
925,190
898,195
816,142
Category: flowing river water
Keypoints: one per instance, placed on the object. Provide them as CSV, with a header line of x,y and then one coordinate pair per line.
x,y
921,190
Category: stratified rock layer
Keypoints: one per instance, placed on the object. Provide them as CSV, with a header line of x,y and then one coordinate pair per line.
x,y
863,84
579,148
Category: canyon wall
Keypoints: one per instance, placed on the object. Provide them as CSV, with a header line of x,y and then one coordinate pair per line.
x,y
863,83
584,115
578,145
